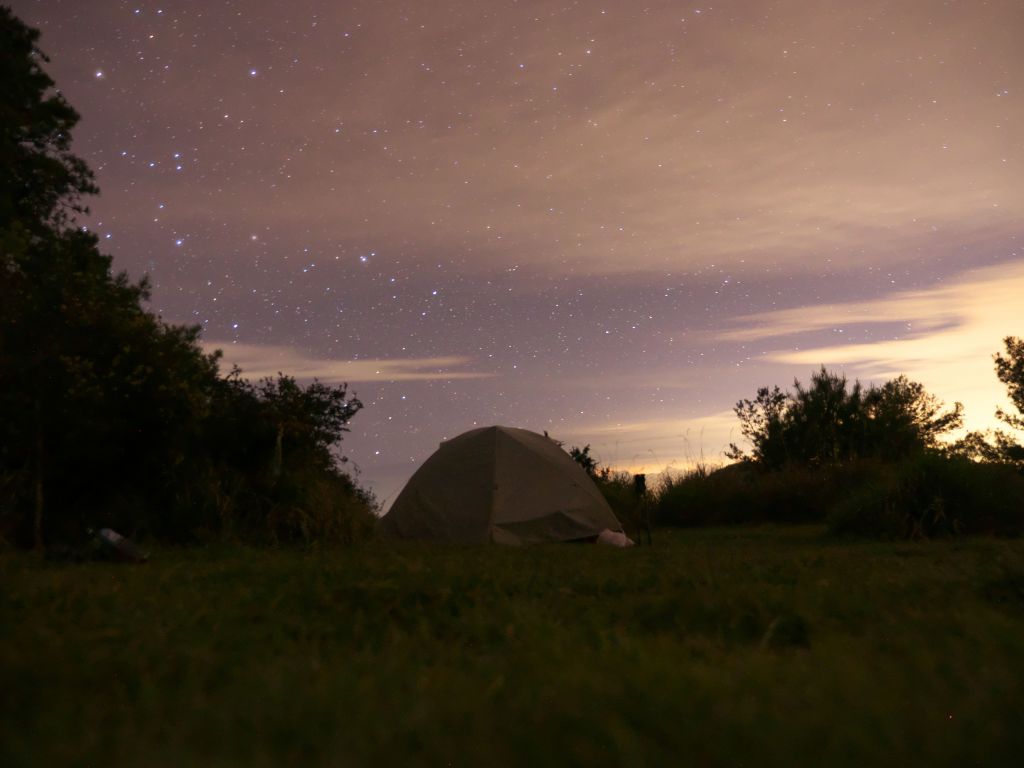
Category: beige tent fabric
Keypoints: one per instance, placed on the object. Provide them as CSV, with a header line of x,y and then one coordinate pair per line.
x,y
500,484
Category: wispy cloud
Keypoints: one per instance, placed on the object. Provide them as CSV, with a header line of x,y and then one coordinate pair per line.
x,y
257,361
654,446
946,336
743,150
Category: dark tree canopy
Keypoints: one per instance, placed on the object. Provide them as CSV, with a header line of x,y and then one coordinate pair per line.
x,y
762,424
1010,371
108,415
42,182
901,417
830,421
822,421
997,445
582,457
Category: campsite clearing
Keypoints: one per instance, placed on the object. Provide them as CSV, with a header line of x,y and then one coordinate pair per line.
x,y
767,646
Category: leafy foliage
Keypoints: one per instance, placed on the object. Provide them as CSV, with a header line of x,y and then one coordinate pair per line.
x,y
582,457
1010,371
901,418
42,181
108,415
869,461
762,423
831,422
997,445
743,493
822,420
933,495
924,495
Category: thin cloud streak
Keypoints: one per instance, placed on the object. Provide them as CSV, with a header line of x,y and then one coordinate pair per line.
x,y
657,446
949,336
259,361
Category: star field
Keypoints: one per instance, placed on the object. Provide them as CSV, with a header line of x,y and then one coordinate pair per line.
x,y
607,220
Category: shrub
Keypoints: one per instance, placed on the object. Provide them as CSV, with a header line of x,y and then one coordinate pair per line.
x,y
832,422
745,493
934,495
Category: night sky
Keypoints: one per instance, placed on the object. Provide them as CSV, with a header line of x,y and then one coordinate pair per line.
x,y
608,220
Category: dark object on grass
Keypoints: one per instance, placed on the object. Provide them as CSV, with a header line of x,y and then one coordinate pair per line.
x,y
111,545
640,485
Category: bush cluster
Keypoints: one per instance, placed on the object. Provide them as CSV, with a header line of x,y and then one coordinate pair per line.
x,y
831,421
934,495
110,416
867,461
740,493
924,495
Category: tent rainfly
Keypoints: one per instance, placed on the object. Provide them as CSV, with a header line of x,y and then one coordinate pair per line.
x,y
500,484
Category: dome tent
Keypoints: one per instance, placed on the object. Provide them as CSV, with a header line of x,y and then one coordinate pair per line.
x,y
500,484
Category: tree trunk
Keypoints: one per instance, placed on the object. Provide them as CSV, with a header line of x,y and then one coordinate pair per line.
x,y
275,466
39,497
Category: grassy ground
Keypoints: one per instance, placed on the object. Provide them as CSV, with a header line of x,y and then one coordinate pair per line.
x,y
711,648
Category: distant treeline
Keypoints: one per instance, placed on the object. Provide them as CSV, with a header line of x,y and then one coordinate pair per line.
x,y
110,416
867,462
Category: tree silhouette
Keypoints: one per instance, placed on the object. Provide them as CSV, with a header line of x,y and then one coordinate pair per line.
x,y
830,421
997,445
901,417
762,423
582,457
107,414
43,181
1010,371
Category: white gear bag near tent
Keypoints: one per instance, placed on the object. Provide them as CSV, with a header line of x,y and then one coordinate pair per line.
x,y
500,484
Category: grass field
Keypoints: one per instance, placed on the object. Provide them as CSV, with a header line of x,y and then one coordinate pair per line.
x,y
712,648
